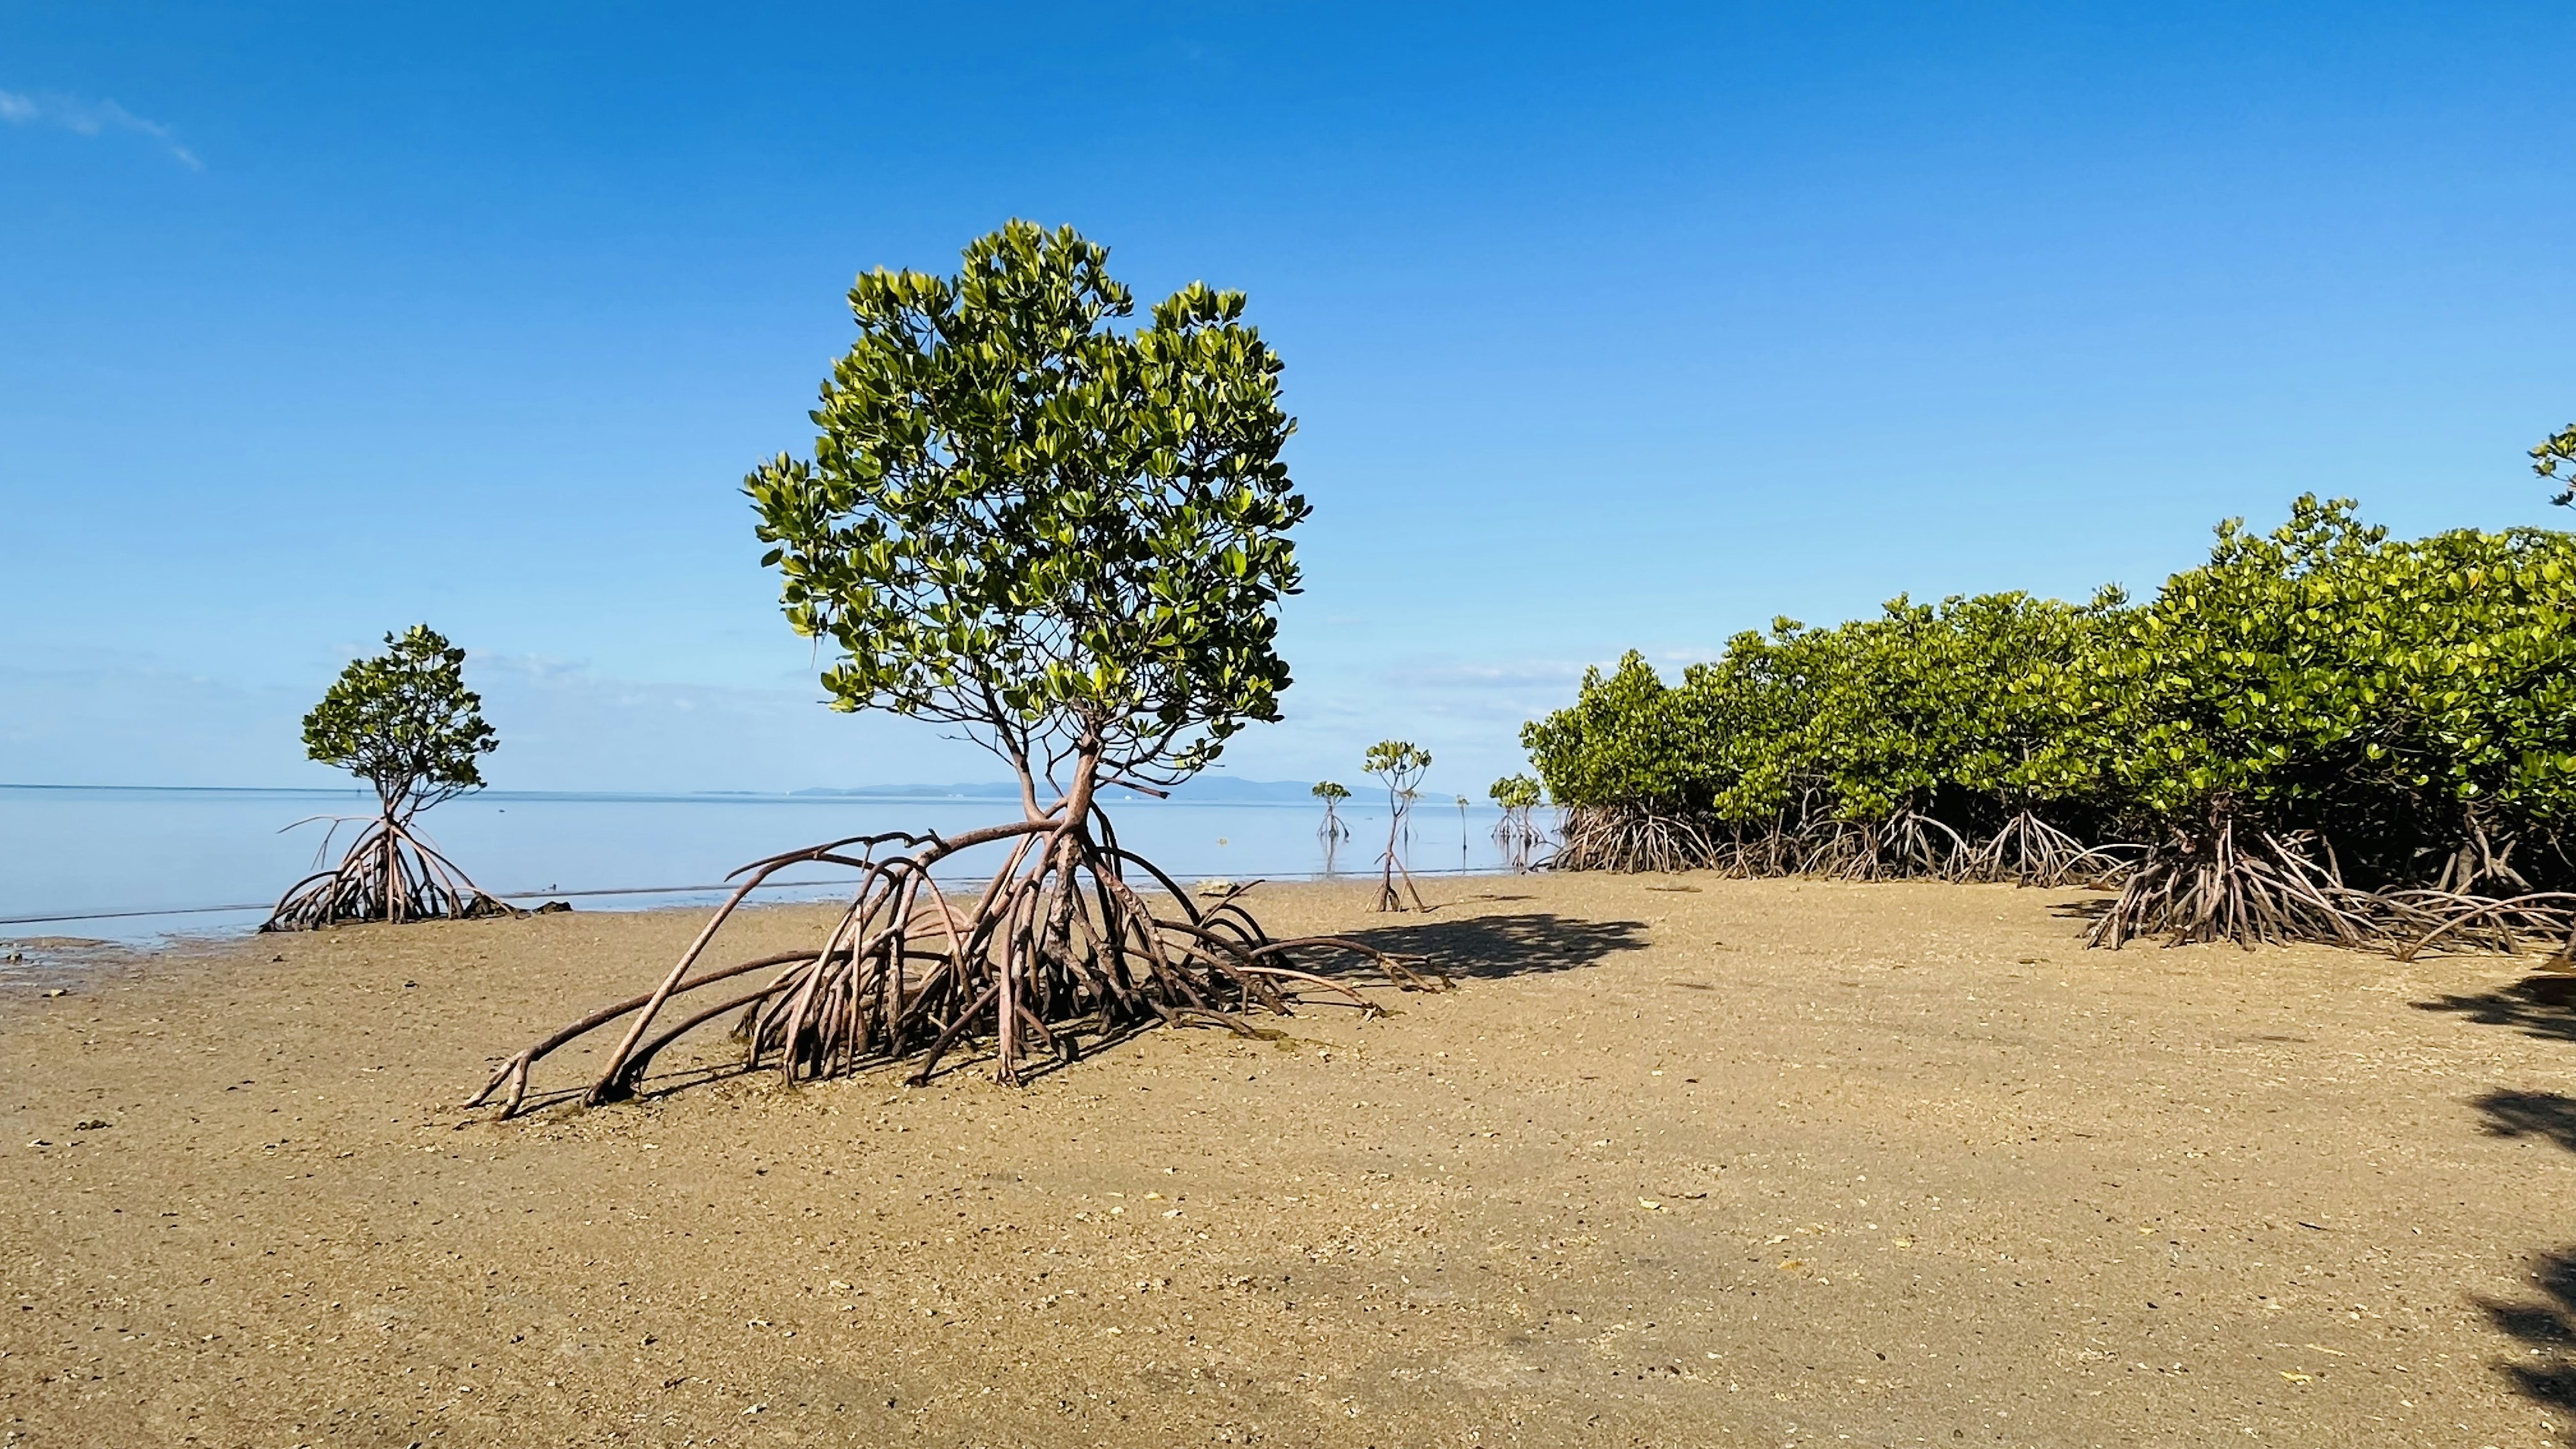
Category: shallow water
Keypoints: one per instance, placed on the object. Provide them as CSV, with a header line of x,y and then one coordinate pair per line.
x,y
141,865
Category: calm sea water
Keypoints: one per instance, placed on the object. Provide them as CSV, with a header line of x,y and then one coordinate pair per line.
x,y
139,865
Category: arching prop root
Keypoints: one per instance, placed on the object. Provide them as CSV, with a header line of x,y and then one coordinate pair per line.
x,y
389,874
2030,851
1058,945
2447,921
2213,887
1908,845
1615,838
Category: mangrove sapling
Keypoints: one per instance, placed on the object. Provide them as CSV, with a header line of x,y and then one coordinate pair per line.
x,y
405,723
1398,763
1332,795
1519,797
1069,543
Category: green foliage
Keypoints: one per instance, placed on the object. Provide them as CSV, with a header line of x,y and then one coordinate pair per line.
x,y
1517,792
2393,697
1966,698
1327,790
1069,539
1625,741
1399,763
2391,694
405,723
1851,723
2558,451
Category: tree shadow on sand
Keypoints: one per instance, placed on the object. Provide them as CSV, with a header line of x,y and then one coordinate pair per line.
x,y
2546,1370
2537,1006
1490,948
2546,1115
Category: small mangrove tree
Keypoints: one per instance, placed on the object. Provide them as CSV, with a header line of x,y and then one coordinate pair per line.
x,y
404,722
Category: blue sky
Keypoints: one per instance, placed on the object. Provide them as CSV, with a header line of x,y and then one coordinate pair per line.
x,y
1605,327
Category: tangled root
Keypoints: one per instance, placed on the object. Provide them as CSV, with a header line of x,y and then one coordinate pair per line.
x,y
2030,851
1058,946
389,874
1623,838
2209,886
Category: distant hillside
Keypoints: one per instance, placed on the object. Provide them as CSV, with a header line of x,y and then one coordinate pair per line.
x,y
1205,790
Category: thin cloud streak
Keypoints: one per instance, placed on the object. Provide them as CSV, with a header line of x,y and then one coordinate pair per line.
x,y
90,118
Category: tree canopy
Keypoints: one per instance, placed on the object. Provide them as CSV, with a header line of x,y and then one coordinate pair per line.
x,y
1068,539
404,722
2398,699
2396,696
1399,763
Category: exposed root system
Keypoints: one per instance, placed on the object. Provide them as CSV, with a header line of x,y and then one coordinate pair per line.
x,y
2214,888
2211,886
389,874
1907,846
2445,921
2032,852
1627,839
1058,946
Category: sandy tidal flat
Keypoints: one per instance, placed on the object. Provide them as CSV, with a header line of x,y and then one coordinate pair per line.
x,y
1682,1162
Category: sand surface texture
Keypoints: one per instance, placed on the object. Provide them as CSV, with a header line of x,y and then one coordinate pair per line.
x,y
1760,1163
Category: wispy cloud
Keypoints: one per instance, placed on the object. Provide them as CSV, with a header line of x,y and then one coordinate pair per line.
x,y
91,118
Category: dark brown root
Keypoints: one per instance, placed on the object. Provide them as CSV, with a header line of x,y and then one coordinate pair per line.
x,y
2447,921
2276,892
2479,859
1755,854
2030,851
2210,886
389,874
1057,945
1908,845
1627,838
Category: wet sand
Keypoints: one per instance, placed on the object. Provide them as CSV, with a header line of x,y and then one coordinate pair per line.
x,y
1738,1163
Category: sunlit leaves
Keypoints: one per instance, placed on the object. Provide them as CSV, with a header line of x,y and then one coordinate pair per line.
x,y
1853,722
1025,520
2329,677
2394,696
405,723
2555,460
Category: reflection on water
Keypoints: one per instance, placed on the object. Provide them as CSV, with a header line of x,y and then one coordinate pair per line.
x,y
165,856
